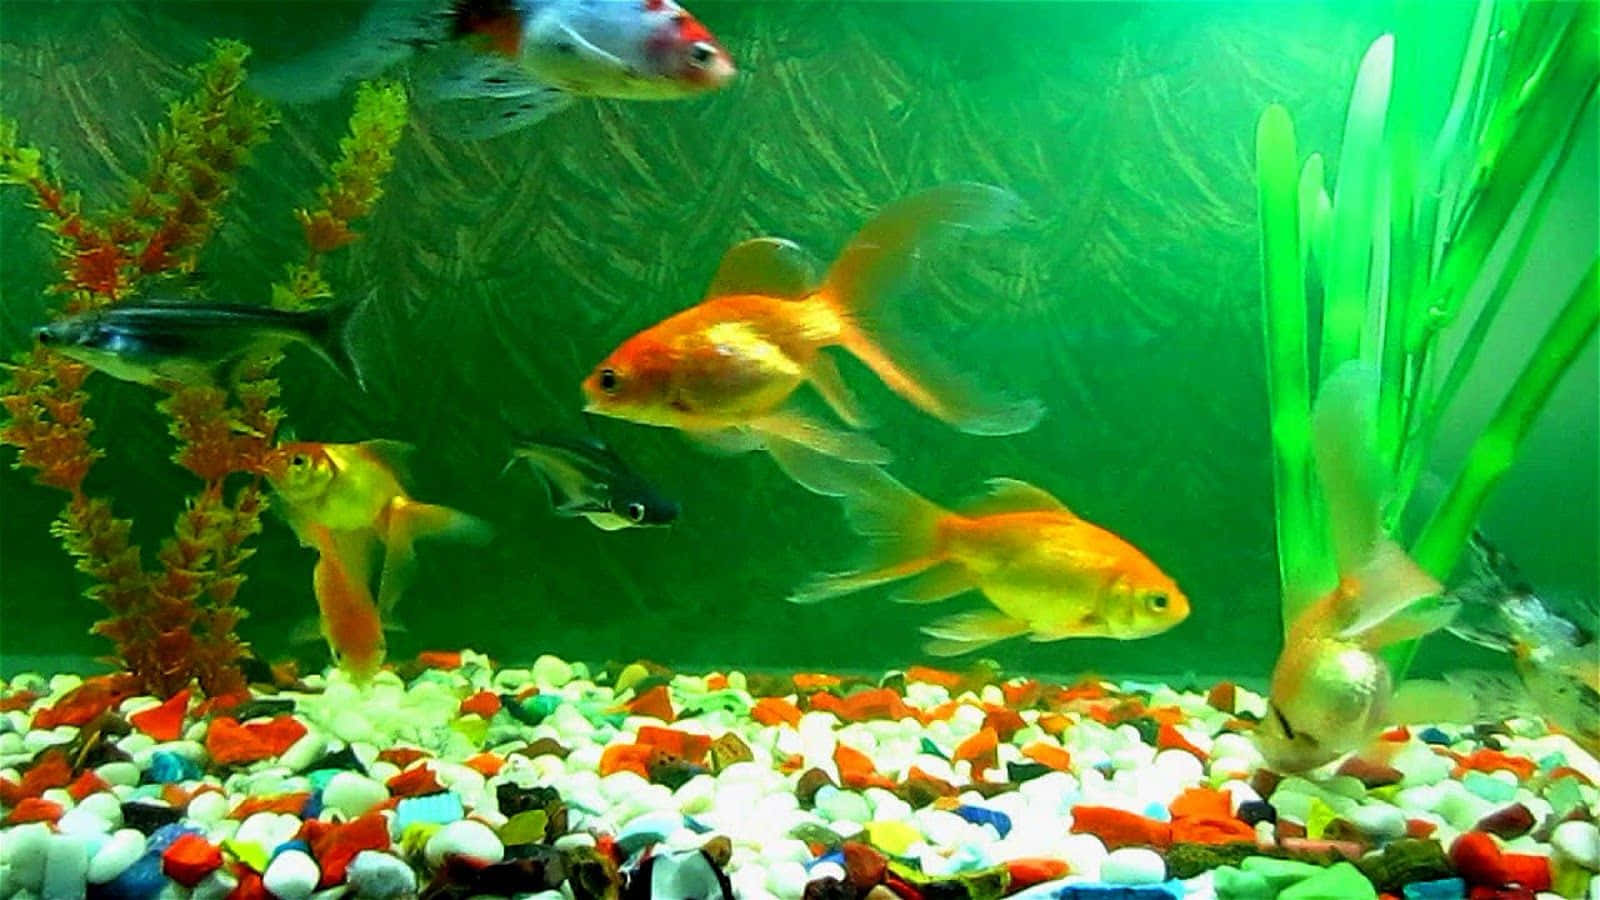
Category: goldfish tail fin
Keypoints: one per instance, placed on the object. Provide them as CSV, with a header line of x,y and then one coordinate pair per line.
x,y
408,520
901,526
390,33
881,257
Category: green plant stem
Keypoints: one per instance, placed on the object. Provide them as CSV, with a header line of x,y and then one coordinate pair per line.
x,y
1492,454
1406,269
1303,562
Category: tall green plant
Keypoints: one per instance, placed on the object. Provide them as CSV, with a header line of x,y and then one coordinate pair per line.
x,y
1408,241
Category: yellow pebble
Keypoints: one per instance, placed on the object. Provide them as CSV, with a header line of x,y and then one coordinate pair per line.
x,y
1319,818
893,838
415,837
250,853
473,727
631,674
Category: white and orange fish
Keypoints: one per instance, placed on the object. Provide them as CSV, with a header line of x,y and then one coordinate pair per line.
x,y
344,500
725,370
1331,692
500,65
1047,573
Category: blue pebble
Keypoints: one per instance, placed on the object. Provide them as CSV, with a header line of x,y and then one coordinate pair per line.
x,y
167,767
835,856
319,778
696,826
291,844
143,880
1158,812
977,815
1443,889
932,749
440,808
167,835
1433,736
313,807
1169,890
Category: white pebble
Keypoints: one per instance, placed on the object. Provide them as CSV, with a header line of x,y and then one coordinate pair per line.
x,y
787,880
573,841
1378,820
215,886
834,805
114,773
292,875
380,876
1133,865
207,807
353,794
24,852
84,822
116,855
551,671
468,838
696,795
268,829
66,868
1579,842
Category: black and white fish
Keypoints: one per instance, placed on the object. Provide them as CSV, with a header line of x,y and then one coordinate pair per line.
x,y
586,478
493,66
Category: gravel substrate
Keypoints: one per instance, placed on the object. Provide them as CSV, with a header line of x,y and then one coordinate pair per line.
x,y
464,781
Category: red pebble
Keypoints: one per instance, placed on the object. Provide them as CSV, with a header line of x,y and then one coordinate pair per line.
x,y
1477,859
402,756
1500,893
1222,696
34,809
655,702
87,783
50,770
483,703
189,859
81,704
864,866
1527,870
414,782
291,804
1370,773
682,744
1168,737
163,722
230,743
249,886
1421,829
334,846
903,889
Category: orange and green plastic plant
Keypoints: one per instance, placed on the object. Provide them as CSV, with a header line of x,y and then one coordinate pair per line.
x,y
177,624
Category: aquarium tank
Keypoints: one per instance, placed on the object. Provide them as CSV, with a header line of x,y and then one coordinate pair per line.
x,y
833,450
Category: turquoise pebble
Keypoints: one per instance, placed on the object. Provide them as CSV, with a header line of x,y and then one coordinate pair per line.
x,y
319,778
441,808
1489,788
1552,761
1338,882
1433,736
167,767
1171,890
1158,812
539,706
1564,795
1443,889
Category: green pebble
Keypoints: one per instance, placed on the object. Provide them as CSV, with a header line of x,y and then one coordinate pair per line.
x,y
1564,795
727,700
526,827
473,727
1320,816
1280,873
932,749
1237,884
813,833
1338,882
248,852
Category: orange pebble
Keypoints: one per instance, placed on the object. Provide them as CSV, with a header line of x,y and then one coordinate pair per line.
x,y
1054,757
1024,695
402,757
929,675
414,782
770,711
163,722
1199,801
483,703
1120,828
1485,759
1035,870
655,703
292,804
440,659
34,809
855,768
1005,722
626,758
979,749
1222,696
1169,738
792,763
486,764
691,747
811,681
1054,724
1224,829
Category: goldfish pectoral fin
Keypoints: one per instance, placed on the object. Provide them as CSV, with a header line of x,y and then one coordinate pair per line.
x,y
395,625
407,521
607,521
976,627
1422,701
823,375
817,472
396,456
941,582
823,587
306,631
766,266
798,428
1397,601
943,648
724,441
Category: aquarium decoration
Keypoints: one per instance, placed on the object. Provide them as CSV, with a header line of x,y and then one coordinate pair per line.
x,y
177,624
1382,268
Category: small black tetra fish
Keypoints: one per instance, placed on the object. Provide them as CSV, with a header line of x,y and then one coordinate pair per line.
x,y
586,478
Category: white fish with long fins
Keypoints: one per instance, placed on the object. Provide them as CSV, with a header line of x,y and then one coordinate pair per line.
x,y
1331,692
493,66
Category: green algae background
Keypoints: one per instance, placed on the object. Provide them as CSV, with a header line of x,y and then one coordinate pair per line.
x,y
503,270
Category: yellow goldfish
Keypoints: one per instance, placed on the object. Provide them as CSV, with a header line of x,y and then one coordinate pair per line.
x,y
1049,574
725,370
1331,693
342,499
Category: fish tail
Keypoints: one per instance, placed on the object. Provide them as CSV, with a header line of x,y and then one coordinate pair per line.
x,y
407,520
390,33
881,258
902,527
330,336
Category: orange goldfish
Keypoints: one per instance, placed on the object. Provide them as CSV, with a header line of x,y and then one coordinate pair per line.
x,y
1331,693
725,370
341,499
1049,574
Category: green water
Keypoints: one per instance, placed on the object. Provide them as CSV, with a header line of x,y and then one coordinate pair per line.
x,y
503,270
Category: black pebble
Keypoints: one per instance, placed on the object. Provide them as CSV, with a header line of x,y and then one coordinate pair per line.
x,y
1253,811
1020,772
259,708
829,889
1148,728
344,759
147,817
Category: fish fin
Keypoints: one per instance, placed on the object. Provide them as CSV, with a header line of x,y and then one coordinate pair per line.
x,y
395,455
307,631
1008,495
481,119
968,631
1499,695
902,528
390,33
1397,601
796,427
474,97
939,583
331,339
607,521
880,257
580,506
1421,701
767,267
824,377
404,522
561,472
724,441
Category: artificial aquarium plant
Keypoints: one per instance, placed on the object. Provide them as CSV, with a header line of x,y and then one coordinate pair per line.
x,y
1409,241
177,623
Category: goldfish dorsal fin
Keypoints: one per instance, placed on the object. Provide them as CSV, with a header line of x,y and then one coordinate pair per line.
x,y
396,455
1008,495
767,266
1394,600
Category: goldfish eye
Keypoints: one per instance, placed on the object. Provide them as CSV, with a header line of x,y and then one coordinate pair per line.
x,y
702,54
609,380
299,461
1158,602
636,511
